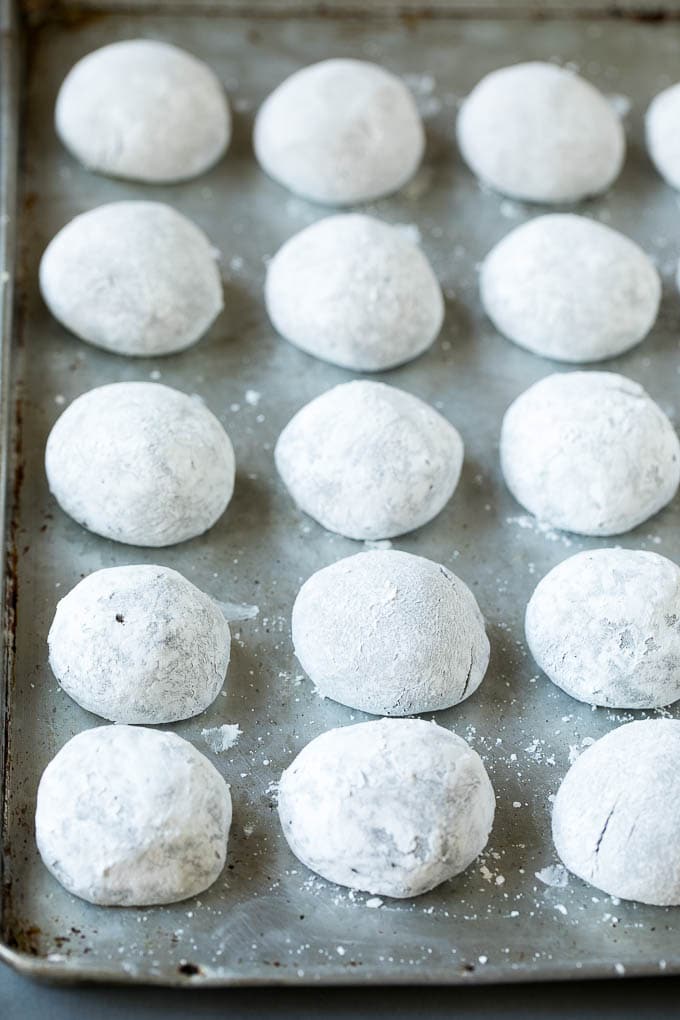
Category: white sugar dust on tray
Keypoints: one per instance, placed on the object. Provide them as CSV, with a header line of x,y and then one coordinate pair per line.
x,y
128,816
140,644
393,807
140,463
390,633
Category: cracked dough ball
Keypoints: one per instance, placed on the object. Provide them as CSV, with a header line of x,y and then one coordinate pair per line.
x,y
369,461
143,110
568,288
589,452
541,133
139,644
340,132
615,818
135,278
392,807
605,627
390,633
132,817
663,141
140,463
356,292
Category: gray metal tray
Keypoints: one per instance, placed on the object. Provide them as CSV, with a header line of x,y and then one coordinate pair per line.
x,y
268,919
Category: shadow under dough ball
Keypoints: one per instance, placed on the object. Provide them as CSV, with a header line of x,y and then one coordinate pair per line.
x,y
139,644
604,625
616,819
134,278
140,463
589,452
143,110
340,132
132,817
369,461
568,288
391,807
356,292
541,133
390,633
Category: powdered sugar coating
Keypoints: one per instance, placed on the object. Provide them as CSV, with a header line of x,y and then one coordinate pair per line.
x,y
140,463
369,461
139,644
135,278
542,133
392,807
616,820
605,627
340,132
356,292
390,633
569,288
132,817
589,452
144,110
661,127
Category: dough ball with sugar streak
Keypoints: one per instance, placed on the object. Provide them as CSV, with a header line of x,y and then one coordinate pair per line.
x,y
392,807
143,110
135,278
132,817
589,452
616,819
356,292
139,644
568,288
369,461
390,633
340,132
140,463
663,142
541,133
604,625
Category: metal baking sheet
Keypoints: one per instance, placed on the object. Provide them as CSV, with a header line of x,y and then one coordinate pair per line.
x,y
268,920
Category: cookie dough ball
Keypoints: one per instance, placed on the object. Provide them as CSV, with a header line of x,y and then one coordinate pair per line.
x,y
589,452
131,817
140,463
616,820
143,110
132,277
356,292
340,132
139,644
541,133
568,288
390,633
369,461
663,141
393,807
605,627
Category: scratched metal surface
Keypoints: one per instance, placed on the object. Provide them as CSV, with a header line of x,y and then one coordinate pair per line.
x,y
267,919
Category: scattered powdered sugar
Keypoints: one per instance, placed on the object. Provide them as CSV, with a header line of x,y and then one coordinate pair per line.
x,y
381,543
620,104
233,611
554,875
252,397
529,523
221,738
410,231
